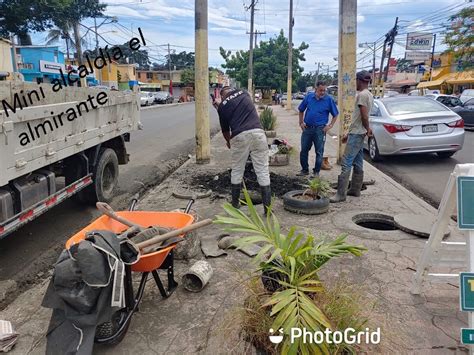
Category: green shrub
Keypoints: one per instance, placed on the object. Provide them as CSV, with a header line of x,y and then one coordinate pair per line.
x,y
317,187
268,119
296,258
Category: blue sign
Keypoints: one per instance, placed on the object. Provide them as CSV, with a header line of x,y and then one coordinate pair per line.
x,y
465,202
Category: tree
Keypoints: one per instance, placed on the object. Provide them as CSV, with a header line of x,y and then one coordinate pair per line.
x,y
63,32
270,63
73,13
459,37
180,60
187,76
21,16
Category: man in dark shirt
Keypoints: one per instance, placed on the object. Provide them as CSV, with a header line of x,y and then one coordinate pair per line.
x,y
244,135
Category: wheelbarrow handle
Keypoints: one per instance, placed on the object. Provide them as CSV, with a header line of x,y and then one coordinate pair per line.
x,y
108,211
174,233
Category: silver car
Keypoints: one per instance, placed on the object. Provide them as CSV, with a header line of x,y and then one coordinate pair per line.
x,y
407,125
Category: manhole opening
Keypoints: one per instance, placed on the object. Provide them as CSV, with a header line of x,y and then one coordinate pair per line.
x,y
375,221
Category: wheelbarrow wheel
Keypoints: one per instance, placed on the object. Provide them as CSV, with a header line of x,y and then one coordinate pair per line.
x,y
110,332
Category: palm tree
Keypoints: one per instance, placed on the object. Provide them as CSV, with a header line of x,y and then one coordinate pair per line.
x,y
62,32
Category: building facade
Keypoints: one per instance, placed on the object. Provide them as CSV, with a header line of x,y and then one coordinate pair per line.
x,y
127,76
6,65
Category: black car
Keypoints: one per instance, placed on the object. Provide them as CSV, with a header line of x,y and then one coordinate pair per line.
x,y
466,111
163,97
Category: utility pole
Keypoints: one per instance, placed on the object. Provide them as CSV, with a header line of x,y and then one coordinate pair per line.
x,y
290,58
250,69
347,67
432,56
392,34
203,137
15,64
256,33
373,68
170,88
77,39
99,71
382,60
316,79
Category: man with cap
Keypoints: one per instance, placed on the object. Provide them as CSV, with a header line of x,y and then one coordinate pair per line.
x,y
354,152
244,135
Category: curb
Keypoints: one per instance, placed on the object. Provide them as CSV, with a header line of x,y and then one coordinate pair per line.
x,y
143,108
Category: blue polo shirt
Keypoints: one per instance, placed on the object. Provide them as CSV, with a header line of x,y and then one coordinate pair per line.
x,y
318,110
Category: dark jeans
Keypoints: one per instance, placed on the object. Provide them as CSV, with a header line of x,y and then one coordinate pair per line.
x,y
310,136
353,154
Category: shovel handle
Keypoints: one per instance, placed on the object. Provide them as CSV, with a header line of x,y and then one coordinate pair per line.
x,y
108,211
174,233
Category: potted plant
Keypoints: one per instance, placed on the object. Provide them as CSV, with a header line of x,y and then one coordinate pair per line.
x,y
291,261
282,155
268,121
313,200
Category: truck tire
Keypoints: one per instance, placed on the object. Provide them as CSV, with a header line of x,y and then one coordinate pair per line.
x,y
104,177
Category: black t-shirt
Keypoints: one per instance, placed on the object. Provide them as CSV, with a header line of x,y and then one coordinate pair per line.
x,y
237,113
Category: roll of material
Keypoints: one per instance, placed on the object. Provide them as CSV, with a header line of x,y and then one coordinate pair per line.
x,y
197,277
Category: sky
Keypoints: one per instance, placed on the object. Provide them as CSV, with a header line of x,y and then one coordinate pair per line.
x,y
316,23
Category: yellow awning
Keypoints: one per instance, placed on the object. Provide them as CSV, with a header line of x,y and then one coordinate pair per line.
x,y
430,84
466,77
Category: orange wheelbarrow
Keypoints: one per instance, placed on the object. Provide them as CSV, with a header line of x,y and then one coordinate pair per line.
x,y
112,332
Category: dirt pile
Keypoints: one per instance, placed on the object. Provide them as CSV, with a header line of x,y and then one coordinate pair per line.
x,y
220,183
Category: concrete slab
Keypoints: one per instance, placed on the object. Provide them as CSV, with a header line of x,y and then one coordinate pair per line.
x,y
419,225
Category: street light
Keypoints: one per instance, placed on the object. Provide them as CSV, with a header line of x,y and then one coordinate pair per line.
x,y
370,46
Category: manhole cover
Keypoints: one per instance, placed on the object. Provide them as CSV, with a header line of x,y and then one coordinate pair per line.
x,y
375,221
419,225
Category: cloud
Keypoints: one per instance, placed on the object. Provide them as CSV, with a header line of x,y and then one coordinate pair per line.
x,y
124,11
360,18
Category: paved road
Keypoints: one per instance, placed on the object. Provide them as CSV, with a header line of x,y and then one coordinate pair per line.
x,y
426,174
165,142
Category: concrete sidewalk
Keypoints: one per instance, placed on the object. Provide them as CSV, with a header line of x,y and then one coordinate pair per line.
x,y
207,322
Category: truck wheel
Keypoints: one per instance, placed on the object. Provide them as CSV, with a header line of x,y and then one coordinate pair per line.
x,y
104,177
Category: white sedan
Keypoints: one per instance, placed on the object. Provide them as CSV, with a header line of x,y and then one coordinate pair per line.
x,y
146,98
408,125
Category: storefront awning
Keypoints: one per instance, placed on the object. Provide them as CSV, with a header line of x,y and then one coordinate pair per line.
x,y
431,84
466,77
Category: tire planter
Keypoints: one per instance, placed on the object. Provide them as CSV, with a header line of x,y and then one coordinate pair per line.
x,y
271,134
279,160
293,204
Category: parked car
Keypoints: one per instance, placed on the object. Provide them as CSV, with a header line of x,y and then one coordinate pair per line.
x,y
466,111
146,98
466,95
447,100
163,97
407,125
415,92
390,93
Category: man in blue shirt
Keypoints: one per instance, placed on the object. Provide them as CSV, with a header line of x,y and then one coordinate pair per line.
x,y
313,118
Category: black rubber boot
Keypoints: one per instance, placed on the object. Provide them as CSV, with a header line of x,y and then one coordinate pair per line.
x,y
236,195
356,184
266,198
342,184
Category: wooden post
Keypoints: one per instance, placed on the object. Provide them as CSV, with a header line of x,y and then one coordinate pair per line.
x,y
290,58
203,134
347,67
250,68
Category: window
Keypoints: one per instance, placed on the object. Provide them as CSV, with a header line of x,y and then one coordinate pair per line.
x,y
375,111
413,105
149,75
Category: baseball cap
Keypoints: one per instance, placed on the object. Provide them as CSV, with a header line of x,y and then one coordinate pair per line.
x,y
363,75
